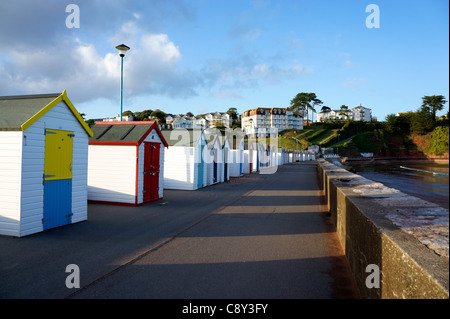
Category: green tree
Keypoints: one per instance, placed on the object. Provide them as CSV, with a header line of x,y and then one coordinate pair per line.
x,y
432,104
159,116
344,109
325,109
144,115
304,102
128,113
315,102
421,122
232,111
90,122
439,140
400,123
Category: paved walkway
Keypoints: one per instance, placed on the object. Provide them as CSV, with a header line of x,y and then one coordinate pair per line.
x,y
258,236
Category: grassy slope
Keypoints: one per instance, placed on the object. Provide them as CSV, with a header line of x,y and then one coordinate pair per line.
x,y
352,138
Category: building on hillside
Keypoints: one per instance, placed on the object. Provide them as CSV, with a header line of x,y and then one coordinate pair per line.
x,y
219,118
359,113
270,120
125,118
182,121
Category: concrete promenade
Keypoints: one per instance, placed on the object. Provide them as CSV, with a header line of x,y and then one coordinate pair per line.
x,y
258,236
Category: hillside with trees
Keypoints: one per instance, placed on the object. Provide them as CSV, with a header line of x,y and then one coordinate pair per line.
x,y
411,134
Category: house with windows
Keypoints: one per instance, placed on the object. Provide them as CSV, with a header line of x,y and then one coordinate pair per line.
x,y
359,113
260,122
181,121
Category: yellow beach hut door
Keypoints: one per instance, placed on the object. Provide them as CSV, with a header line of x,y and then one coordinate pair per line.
x,y
57,178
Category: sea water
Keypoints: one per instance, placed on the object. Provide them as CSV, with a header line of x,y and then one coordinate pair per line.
x,y
426,180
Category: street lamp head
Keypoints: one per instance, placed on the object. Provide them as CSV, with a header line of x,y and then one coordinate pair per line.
x,y
122,49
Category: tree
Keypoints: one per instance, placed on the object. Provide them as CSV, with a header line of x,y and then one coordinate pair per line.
x,y
128,113
315,101
159,116
144,115
400,123
325,109
305,102
344,109
232,111
432,104
421,122
90,122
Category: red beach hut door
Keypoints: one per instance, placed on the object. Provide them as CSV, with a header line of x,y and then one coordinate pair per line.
x,y
151,171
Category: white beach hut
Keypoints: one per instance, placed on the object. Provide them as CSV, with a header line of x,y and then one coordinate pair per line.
x,y
213,157
126,163
238,163
185,160
247,160
43,164
226,157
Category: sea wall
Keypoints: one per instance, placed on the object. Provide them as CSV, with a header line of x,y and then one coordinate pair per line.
x,y
396,244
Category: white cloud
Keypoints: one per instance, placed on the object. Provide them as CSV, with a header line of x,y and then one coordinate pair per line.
x,y
85,73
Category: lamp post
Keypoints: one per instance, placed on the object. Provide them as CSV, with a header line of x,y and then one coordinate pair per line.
x,y
122,50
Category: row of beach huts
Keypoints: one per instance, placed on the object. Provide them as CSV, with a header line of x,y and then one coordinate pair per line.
x,y
52,164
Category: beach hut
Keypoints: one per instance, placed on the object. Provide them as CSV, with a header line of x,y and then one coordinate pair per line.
x,y
281,156
255,156
126,163
213,157
226,157
184,161
250,156
238,162
43,163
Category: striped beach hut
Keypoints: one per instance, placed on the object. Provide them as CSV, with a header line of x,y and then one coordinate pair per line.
x,y
43,163
126,163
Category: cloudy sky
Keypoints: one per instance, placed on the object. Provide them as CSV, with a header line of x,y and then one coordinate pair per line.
x,y
209,55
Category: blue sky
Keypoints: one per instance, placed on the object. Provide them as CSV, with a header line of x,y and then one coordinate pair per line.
x,y
209,55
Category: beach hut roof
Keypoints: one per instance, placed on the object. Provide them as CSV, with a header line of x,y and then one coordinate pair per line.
x,y
177,138
17,113
124,132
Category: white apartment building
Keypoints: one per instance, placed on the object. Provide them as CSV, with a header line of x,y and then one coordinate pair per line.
x,y
359,113
271,119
